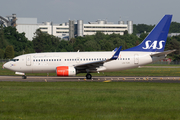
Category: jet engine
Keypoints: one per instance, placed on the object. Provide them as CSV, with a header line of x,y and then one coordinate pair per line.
x,y
65,71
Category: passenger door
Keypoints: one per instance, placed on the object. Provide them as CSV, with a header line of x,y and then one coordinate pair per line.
x,y
28,60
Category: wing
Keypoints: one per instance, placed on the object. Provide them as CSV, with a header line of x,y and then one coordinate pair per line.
x,y
163,53
93,65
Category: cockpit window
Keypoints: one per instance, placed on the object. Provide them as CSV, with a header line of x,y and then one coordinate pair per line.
x,y
15,60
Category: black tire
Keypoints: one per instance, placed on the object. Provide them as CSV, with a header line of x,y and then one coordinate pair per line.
x,y
88,76
24,77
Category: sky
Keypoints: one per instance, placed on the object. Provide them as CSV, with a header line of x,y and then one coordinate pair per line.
x,y
59,11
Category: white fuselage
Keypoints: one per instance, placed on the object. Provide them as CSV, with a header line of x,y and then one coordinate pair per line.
x,y
47,62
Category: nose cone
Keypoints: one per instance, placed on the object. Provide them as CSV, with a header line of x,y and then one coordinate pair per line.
x,y
6,65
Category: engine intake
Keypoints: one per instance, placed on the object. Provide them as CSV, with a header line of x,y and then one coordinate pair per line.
x,y
65,71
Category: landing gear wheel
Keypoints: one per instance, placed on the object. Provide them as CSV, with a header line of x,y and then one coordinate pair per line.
x,y
24,77
88,76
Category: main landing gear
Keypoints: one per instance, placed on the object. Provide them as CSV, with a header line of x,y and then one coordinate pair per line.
x,y
24,77
88,76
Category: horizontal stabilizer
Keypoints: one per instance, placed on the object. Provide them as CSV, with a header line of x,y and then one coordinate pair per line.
x,y
163,53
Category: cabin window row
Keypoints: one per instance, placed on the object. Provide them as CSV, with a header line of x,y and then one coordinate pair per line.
x,y
87,59
123,58
95,59
38,60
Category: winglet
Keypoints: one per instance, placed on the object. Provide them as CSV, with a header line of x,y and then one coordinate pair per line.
x,y
116,54
115,49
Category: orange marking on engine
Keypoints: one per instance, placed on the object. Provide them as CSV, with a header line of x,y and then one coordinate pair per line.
x,y
62,71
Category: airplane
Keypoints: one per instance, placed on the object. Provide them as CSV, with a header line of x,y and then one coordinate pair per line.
x,y
71,63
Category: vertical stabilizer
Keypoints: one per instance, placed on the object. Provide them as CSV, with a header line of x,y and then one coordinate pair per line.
x,y
156,40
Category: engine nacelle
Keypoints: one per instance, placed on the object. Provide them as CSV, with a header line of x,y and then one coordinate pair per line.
x,y
65,71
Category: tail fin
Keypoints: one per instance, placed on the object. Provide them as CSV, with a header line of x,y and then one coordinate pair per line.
x,y
156,40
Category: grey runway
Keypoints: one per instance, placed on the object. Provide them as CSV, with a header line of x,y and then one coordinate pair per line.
x,y
94,79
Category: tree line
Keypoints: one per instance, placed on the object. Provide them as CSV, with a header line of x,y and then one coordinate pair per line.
x,y
13,43
142,28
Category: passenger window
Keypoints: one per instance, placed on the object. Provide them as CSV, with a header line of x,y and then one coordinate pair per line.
x,y
64,59
86,59
57,59
54,59
72,59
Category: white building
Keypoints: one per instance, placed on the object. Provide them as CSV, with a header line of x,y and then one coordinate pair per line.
x,y
71,29
173,34
28,26
80,29
66,30
59,30
90,29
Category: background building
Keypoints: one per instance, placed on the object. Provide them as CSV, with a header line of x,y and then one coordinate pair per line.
x,y
8,20
28,26
66,30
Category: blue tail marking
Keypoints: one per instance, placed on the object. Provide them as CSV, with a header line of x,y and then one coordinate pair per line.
x,y
156,40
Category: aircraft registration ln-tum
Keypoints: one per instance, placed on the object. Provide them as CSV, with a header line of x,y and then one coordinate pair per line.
x,y
72,63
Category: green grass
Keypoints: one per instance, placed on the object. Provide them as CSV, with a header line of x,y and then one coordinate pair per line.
x,y
89,100
178,65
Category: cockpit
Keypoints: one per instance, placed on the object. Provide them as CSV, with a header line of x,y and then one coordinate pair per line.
x,y
14,60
